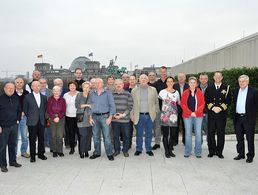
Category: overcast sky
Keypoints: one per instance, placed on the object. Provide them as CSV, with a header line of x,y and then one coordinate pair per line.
x,y
144,32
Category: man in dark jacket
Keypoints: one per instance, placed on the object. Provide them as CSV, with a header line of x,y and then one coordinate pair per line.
x,y
218,99
10,114
79,79
35,105
181,86
245,107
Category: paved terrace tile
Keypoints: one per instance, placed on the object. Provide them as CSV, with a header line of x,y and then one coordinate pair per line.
x,y
134,175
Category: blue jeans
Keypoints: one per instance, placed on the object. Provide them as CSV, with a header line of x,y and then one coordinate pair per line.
x,y
23,132
8,137
121,128
100,125
196,123
145,123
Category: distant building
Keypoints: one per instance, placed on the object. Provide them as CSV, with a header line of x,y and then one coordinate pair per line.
x,y
241,53
89,68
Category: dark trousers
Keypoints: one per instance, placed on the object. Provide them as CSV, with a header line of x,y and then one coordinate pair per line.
x,y
85,139
216,124
121,129
71,130
169,136
130,133
242,127
180,122
8,137
36,132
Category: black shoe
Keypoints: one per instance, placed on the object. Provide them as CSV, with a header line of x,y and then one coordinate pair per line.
x,y
51,151
175,144
126,154
220,156
186,156
198,156
167,155
111,157
86,154
116,153
172,154
150,153
71,151
137,153
155,147
249,160
15,164
42,157
32,159
81,156
60,154
210,155
239,157
94,156
4,169
54,154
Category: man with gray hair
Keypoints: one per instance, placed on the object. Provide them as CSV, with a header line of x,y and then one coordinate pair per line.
x,y
59,82
101,113
145,109
245,100
120,121
34,107
22,128
10,114
152,78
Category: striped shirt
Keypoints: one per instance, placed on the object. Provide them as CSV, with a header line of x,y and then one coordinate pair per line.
x,y
124,104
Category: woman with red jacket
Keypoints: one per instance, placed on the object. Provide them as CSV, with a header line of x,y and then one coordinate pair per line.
x,y
192,102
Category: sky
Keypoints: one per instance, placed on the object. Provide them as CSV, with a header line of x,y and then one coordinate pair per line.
x,y
143,32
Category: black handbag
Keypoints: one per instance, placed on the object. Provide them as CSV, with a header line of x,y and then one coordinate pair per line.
x,y
80,116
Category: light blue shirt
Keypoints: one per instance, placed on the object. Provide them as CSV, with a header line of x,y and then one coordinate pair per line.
x,y
43,92
103,103
241,100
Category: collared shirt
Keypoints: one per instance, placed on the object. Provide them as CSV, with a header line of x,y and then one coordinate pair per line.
x,y
203,88
102,103
217,86
37,97
19,93
43,92
241,100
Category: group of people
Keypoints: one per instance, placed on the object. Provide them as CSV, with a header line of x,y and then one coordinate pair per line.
x,y
88,109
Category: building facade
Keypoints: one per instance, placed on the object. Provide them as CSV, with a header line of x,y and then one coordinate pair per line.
x,y
241,53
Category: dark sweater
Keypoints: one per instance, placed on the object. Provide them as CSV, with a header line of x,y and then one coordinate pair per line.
x,y
10,110
21,97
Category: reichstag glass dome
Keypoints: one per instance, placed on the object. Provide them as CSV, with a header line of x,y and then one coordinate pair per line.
x,y
79,63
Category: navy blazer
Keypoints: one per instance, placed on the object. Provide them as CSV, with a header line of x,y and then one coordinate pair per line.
x,y
32,111
251,105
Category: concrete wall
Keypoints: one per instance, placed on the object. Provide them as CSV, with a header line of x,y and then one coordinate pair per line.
x,y
243,52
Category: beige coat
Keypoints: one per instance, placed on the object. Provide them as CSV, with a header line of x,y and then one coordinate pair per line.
x,y
152,102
